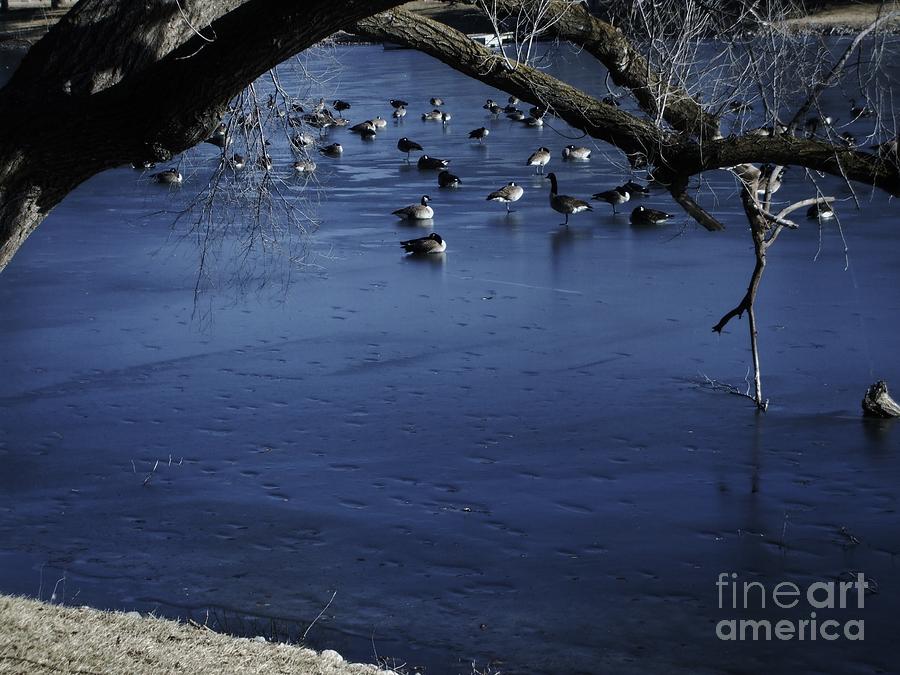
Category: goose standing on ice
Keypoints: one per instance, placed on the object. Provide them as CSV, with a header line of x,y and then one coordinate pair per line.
x,y
480,134
399,113
616,196
433,243
420,211
539,158
508,194
437,102
564,203
408,146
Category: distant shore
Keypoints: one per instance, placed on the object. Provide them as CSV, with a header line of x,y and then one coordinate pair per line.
x,y
21,28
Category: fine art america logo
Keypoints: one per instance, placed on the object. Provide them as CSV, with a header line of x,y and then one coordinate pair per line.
x,y
744,596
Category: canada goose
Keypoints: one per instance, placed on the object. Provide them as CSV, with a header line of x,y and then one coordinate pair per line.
x,y
218,141
304,166
508,194
614,197
516,116
302,140
319,121
492,107
219,137
513,100
432,116
860,110
511,109
362,126
533,121
447,179
573,152
480,133
539,158
437,101
168,177
408,146
339,121
368,134
636,189
609,99
420,211
564,203
445,117
379,122
645,216
820,211
333,150
537,111
238,162
399,113
340,106
813,124
397,103
766,182
264,162
426,162
425,245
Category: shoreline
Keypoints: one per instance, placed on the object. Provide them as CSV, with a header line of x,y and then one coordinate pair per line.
x,y
37,636
21,28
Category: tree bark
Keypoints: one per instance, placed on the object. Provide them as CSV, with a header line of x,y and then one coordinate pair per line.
x,y
627,67
672,157
117,82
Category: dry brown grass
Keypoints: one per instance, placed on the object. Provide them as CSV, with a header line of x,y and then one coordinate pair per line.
x,y
846,17
39,638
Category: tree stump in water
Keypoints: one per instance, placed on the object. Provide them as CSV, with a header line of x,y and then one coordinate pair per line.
x,y
878,402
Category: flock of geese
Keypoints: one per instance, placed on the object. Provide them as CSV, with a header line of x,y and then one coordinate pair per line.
x,y
511,192
321,117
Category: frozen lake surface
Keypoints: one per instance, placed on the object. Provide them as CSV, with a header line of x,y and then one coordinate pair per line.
x,y
502,455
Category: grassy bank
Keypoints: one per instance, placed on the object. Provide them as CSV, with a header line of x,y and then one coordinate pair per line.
x,y
846,18
39,638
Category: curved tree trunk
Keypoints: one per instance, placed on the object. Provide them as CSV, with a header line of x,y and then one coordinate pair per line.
x,y
117,82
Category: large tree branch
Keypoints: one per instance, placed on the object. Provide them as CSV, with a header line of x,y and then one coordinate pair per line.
x,y
53,140
673,158
627,132
627,67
